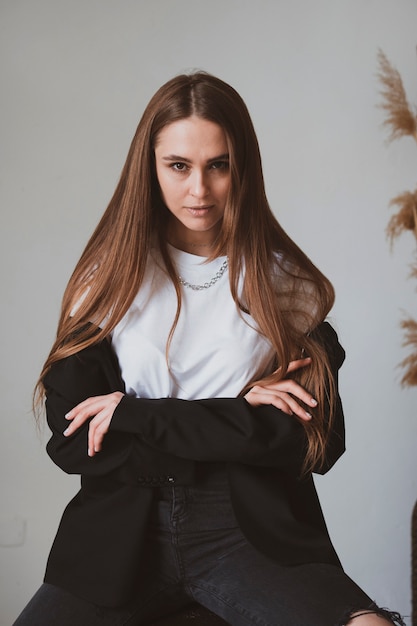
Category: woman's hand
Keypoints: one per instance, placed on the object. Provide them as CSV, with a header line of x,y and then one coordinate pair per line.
x,y
284,393
101,409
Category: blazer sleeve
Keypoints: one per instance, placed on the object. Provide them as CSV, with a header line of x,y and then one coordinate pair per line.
x,y
124,456
70,381
229,429
336,443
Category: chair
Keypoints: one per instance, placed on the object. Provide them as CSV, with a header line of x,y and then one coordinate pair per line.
x,y
192,615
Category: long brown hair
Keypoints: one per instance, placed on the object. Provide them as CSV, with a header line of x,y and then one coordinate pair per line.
x,y
284,292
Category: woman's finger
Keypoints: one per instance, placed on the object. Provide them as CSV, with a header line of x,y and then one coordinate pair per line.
x,y
90,408
280,400
284,395
97,429
298,364
287,385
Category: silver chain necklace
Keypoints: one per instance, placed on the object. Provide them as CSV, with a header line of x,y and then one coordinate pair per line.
x,y
210,283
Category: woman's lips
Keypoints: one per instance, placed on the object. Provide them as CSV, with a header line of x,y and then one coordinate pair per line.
x,y
199,210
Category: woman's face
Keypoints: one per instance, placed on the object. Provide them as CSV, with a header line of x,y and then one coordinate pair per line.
x,y
192,167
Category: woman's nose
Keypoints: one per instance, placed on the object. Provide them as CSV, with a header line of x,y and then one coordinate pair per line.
x,y
199,185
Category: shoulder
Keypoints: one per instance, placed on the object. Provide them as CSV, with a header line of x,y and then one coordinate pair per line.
x,y
91,371
326,335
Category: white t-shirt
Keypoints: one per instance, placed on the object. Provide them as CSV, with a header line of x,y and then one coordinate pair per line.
x,y
216,349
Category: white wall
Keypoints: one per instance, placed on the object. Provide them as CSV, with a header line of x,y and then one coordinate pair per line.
x,y
75,76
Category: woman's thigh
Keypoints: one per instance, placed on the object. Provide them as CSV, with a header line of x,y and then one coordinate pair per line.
x,y
245,587
52,606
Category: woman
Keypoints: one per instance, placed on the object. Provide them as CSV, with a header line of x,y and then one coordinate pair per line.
x,y
193,385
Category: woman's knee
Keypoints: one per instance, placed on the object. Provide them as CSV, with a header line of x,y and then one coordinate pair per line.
x,y
372,616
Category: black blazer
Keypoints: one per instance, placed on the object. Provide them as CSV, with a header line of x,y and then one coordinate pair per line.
x,y
97,549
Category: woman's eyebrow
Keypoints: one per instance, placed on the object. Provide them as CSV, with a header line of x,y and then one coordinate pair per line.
x,y
176,157
221,157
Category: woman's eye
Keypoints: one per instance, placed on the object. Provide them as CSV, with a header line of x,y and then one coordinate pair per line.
x,y
220,165
179,167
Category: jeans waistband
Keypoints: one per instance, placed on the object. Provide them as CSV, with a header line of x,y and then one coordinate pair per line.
x,y
208,477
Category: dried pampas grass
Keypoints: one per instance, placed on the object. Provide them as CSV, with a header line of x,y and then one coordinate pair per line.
x,y
402,121
406,216
410,363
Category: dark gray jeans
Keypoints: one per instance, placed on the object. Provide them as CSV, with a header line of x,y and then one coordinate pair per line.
x,y
196,551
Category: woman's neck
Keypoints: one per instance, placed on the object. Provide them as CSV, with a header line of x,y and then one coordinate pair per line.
x,y
198,243
199,249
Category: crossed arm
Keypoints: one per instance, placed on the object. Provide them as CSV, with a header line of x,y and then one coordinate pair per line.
x,y
286,395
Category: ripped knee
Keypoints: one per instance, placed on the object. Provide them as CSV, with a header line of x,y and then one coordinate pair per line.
x,y
391,617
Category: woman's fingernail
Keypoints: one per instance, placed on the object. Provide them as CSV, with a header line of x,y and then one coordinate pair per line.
x,y
313,402
67,415
309,416
65,433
